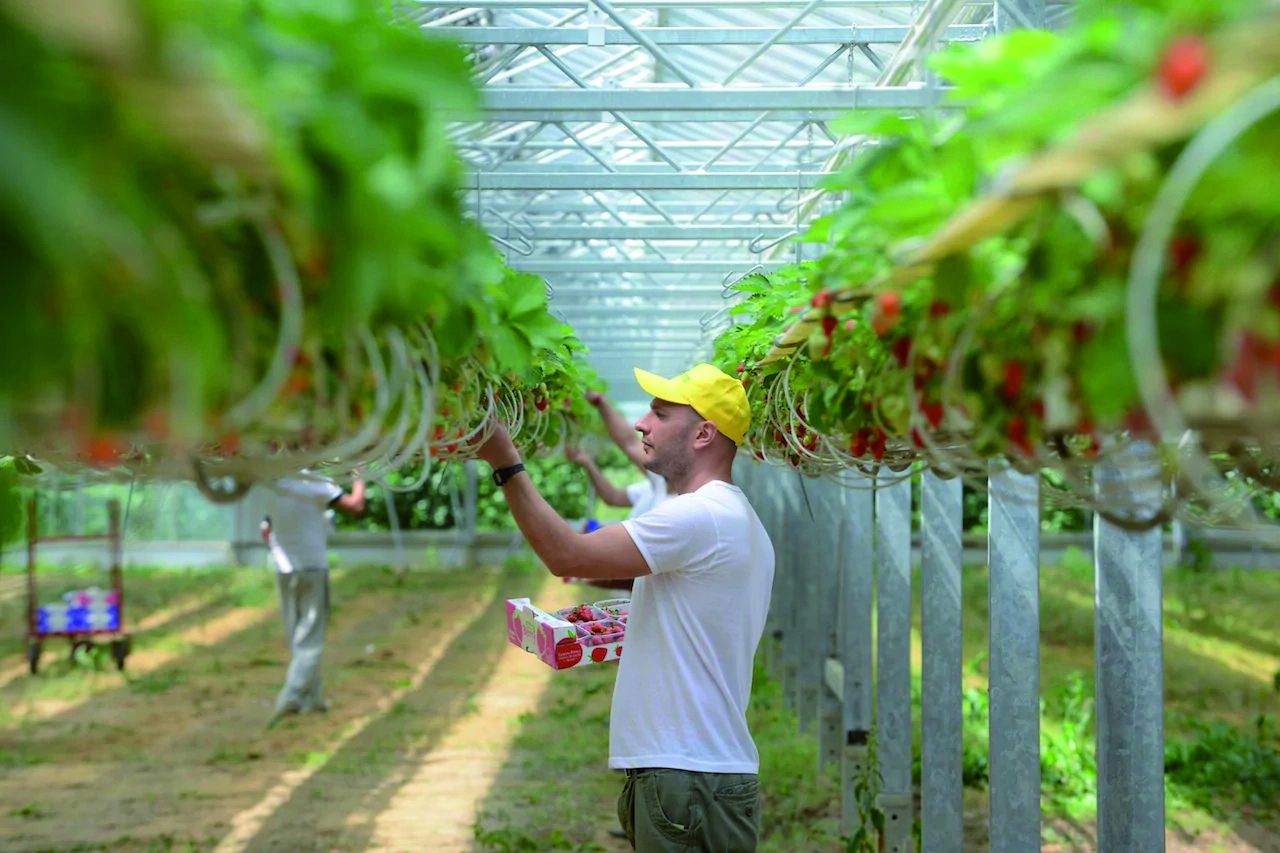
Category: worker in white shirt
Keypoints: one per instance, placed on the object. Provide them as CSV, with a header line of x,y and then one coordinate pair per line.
x,y
296,531
703,566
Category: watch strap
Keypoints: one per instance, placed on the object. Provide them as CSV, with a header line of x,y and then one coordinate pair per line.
x,y
501,475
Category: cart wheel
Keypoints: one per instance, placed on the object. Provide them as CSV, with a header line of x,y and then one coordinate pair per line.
x,y
33,655
120,649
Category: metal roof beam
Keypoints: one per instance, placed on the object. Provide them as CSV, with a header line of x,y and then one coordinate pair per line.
x,y
635,145
514,203
641,168
685,117
657,232
537,101
662,310
516,5
583,181
642,292
681,267
548,36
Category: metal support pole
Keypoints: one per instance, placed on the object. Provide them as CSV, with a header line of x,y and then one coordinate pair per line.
x,y
893,659
942,782
856,592
1128,655
1014,622
469,497
828,537
810,647
790,488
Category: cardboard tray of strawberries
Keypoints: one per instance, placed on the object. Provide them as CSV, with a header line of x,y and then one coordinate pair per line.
x,y
572,636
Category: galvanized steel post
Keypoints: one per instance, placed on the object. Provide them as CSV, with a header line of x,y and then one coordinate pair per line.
x,y
792,532
942,784
856,592
893,658
1014,660
828,533
809,677
1128,654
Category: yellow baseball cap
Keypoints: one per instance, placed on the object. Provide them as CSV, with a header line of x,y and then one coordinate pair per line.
x,y
713,394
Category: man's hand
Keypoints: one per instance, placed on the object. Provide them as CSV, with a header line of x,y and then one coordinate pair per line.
x,y
577,455
499,451
595,398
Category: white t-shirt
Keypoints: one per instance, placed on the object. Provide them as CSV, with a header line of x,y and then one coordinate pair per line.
x,y
646,494
685,678
296,509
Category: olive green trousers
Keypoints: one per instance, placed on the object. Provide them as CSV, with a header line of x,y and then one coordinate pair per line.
x,y
668,810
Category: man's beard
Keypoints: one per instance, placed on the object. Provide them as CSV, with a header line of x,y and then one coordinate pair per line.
x,y
674,464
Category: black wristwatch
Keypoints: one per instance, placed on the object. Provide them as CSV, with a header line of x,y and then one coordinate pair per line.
x,y
501,475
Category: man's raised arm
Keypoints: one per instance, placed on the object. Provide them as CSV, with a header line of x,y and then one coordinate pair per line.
x,y
605,553
623,434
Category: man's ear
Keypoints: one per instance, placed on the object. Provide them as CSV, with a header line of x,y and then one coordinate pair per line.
x,y
706,435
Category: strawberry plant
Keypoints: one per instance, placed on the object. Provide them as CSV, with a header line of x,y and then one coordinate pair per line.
x,y
950,321
290,278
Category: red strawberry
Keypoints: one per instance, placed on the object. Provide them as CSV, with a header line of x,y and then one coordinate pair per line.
x,y
821,299
889,302
103,451
1017,432
858,446
742,367
850,325
1014,376
933,413
938,308
1183,251
829,325
1183,65
902,350
540,404
889,306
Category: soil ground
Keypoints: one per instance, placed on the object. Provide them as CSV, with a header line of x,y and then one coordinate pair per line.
x,y
442,737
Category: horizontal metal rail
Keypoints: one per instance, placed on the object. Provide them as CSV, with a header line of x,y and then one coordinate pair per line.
x,y
690,35
654,232
631,181
548,101
717,267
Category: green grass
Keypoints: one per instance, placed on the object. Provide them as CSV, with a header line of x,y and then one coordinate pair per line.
x,y
1222,707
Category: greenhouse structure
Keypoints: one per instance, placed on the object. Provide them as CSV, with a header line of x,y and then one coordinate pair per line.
x,y
980,301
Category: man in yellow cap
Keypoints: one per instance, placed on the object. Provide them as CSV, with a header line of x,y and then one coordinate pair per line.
x,y
703,566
